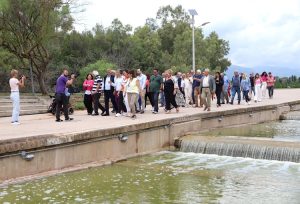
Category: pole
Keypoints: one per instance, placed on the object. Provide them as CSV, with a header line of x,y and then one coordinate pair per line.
x,y
193,46
31,76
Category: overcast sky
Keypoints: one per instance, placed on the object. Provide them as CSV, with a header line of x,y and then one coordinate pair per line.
x,y
260,32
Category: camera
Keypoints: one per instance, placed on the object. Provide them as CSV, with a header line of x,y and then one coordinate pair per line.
x,y
22,77
75,75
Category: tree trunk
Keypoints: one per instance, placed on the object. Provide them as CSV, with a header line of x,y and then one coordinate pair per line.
x,y
41,80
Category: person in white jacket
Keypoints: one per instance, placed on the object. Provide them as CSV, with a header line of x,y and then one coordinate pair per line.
x,y
188,89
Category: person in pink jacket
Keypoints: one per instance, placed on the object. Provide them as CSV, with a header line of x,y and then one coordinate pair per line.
x,y
270,84
87,87
264,79
258,84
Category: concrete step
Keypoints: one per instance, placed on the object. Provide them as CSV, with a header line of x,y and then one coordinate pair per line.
x,y
24,107
5,101
21,97
23,112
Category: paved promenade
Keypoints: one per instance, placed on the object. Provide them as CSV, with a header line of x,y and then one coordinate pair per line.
x,y
44,124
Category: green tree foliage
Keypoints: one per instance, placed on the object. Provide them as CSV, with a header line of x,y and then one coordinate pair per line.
x,y
287,82
27,28
146,48
101,66
41,36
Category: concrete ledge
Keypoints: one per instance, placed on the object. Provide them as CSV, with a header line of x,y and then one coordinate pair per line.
x,y
89,140
181,125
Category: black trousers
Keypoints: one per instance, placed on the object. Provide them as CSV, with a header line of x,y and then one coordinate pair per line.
x,y
120,102
170,99
61,102
245,93
108,94
97,104
218,94
148,94
88,102
271,91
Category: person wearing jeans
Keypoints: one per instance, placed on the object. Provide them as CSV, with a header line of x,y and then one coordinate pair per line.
x,y
246,86
236,87
156,82
270,84
15,84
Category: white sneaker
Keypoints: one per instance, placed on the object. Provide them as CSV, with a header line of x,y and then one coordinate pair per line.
x,y
154,112
15,123
118,115
249,103
124,114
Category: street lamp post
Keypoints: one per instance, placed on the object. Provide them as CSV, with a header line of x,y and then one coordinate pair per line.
x,y
193,13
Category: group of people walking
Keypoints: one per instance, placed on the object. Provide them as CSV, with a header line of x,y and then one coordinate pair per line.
x,y
128,90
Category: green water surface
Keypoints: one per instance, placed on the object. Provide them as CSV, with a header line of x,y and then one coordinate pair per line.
x,y
167,177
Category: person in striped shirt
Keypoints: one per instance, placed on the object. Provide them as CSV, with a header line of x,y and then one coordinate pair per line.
x,y
96,93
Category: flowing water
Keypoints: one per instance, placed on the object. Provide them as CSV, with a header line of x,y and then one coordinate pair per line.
x,y
177,177
286,130
278,140
168,177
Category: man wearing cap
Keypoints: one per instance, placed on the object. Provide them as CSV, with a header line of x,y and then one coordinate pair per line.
x,y
208,87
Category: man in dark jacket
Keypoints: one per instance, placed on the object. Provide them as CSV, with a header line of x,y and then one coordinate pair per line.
x,y
108,90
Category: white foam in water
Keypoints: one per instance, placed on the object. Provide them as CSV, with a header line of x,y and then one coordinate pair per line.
x,y
194,161
3,193
79,199
48,191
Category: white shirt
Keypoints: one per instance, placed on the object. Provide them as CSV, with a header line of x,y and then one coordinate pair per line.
x,y
142,78
14,84
188,82
205,81
107,85
182,85
118,83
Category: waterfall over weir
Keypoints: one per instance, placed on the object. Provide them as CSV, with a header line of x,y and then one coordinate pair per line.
x,y
267,151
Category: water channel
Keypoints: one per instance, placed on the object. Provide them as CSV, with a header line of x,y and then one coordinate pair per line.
x,y
175,177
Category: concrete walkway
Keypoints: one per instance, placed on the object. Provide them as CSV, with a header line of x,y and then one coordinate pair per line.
x,y
44,124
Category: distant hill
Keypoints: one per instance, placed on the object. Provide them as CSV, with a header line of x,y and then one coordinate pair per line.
x,y
277,71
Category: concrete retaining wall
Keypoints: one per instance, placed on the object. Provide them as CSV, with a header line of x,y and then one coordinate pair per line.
x,y
103,146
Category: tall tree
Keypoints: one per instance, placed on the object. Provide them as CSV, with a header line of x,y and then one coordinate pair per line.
x,y
146,48
27,28
217,49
